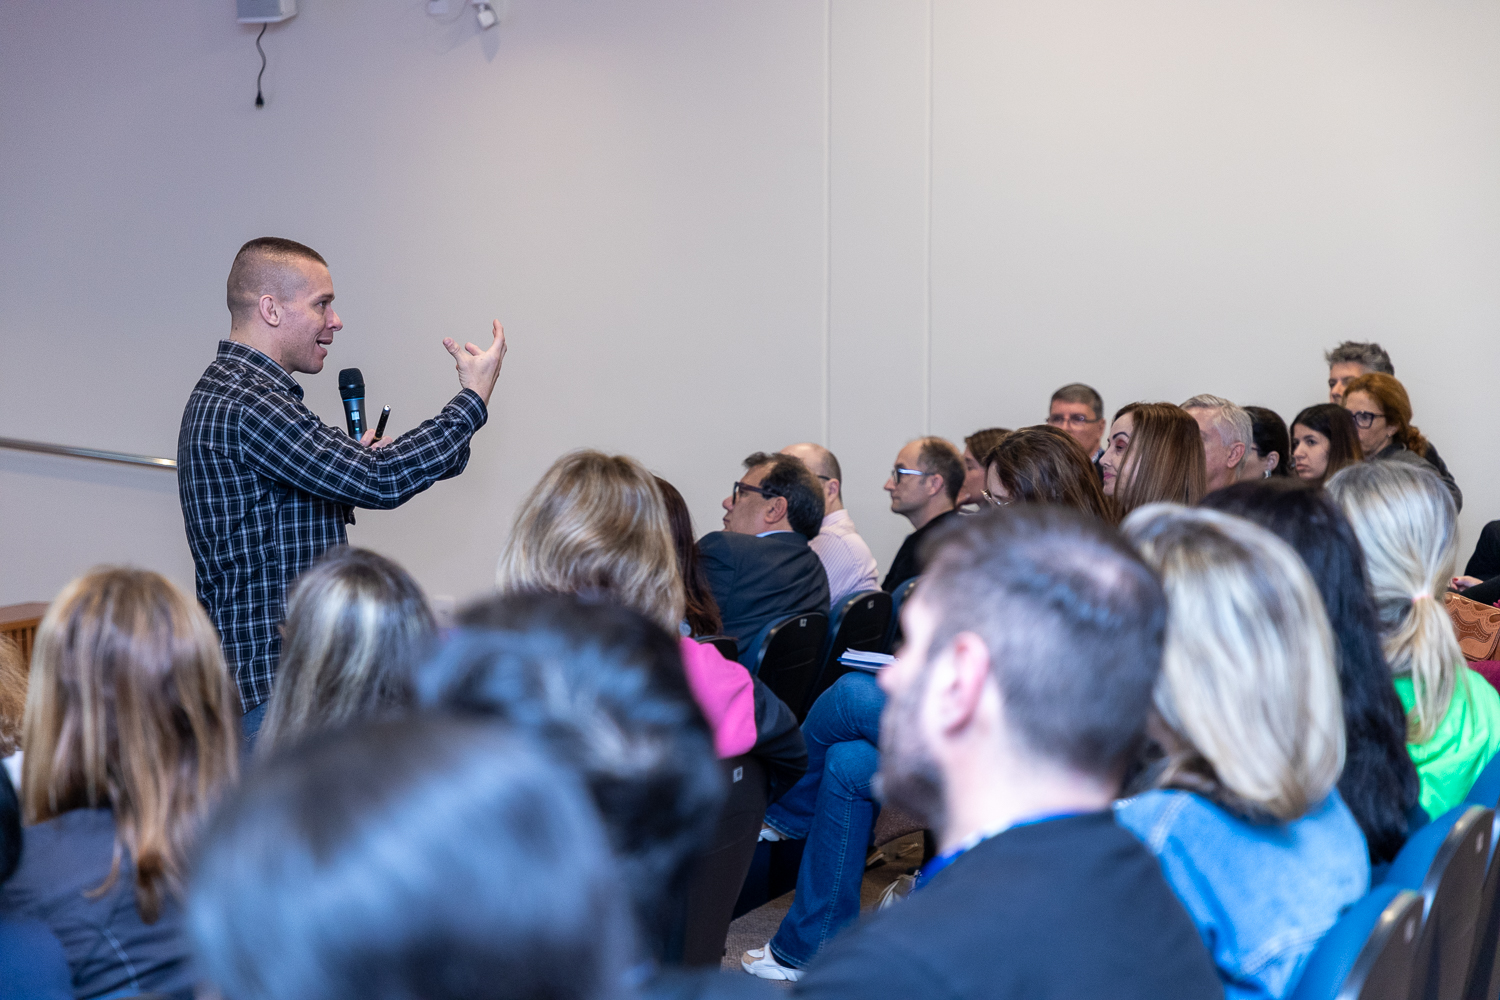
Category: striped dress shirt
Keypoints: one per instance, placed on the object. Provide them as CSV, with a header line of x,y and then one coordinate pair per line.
x,y
846,558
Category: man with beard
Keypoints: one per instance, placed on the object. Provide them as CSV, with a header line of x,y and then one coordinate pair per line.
x,y
1033,643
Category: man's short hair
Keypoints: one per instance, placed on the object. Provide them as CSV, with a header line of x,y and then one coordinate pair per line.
x,y
1232,422
789,478
1077,392
939,457
503,874
1371,356
261,266
604,687
1074,621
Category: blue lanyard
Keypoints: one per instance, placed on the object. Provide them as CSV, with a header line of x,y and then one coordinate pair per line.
x,y
937,864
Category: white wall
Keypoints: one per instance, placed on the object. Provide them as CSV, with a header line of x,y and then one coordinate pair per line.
x,y
712,227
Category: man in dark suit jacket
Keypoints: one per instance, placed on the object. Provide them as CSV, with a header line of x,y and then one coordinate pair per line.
x,y
760,567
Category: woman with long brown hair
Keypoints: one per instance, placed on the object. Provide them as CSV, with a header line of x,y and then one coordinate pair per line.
x,y
1155,453
1042,464
701,612
131,733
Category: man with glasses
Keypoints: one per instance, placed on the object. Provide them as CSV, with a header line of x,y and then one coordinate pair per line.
x,y
846,557
1078,411
924,486
760,567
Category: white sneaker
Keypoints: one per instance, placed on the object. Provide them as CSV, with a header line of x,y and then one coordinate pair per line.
x,y
761,963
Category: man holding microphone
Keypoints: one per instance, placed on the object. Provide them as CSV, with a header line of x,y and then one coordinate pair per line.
x,y
266,486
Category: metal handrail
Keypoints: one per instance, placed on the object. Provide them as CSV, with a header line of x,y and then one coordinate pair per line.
x,y
95,453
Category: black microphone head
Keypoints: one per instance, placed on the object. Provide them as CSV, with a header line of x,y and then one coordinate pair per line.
x,y
351,384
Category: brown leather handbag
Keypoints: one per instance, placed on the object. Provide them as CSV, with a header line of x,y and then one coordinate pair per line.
x,y
1476,625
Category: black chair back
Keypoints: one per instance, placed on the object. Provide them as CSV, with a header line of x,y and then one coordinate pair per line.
x,y
898,597
790,655
718,873
1382,971
1484,965
725,644
860,621
1452,894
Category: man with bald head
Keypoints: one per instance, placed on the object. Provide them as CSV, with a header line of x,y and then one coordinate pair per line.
x,y
266,486
846,557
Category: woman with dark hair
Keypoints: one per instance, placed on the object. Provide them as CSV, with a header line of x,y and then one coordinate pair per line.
x,y
1382,413
1379,782
1154,453
701,615
1272,445
977,448
356,626
1324,440
1045,465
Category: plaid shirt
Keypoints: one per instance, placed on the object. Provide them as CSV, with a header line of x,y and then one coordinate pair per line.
x,y
267,488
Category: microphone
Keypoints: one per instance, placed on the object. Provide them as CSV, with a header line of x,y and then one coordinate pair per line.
x,y
352,388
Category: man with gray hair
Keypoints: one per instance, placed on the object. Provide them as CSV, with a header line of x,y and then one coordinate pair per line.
x,y
846,557
1349,361
1078,411
1227,438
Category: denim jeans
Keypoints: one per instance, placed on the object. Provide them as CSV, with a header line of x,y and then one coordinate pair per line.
x,y
831,806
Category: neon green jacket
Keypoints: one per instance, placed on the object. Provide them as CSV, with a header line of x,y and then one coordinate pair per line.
x,y
1464,742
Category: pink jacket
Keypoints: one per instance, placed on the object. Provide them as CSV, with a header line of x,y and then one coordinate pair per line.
x,y
725,693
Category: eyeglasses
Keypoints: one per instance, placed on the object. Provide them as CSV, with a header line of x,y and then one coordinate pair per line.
x,y
1364,419
993,500
734,495
898,472
1071,420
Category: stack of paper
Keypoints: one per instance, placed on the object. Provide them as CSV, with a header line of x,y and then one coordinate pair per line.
x,y
861,659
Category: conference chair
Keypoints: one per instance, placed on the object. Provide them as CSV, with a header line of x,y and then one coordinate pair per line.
x,y
718,872
860,621
789,655
725,644
1445,861
1368,953
1484,967
898,597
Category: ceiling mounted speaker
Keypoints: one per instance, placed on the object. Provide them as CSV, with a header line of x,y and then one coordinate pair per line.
x,y
264,11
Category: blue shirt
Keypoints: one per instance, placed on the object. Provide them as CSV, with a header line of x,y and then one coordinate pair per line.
x,y
1261,894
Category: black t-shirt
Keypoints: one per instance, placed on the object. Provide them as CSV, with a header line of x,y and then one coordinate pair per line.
x,y
1065,908
907,563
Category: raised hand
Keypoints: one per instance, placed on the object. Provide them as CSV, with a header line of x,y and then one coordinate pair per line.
x,y
478,369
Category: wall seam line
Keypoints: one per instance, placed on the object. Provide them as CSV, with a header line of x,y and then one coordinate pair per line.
x,y
927,250
827,220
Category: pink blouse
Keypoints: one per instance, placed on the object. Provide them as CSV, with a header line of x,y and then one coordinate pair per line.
x,y
725,693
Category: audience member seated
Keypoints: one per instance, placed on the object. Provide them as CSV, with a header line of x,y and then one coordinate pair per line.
x,y
1033,643
601,686
1324,440
1379,783
832,806
977,447
846,558
1349,361
13,671
1382,414
1481,579
1044,465
1155,453
1078,410
410,858
1243,812
1228,435
700,616
132,732
1270,451
596,525
32,963
924,488
1407,527
356,627
760,567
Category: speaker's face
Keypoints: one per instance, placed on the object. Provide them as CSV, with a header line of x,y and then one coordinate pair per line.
x,y
308,321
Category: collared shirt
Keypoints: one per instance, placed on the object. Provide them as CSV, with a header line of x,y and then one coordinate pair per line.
x,y
267,488
846,557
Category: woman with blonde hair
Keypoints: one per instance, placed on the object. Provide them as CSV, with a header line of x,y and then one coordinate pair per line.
x,y
596,525
1381,411
356,626
131,734
1408,528
1244,813
1154,454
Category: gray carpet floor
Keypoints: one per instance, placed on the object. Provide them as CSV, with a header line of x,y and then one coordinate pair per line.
x,y
758,926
